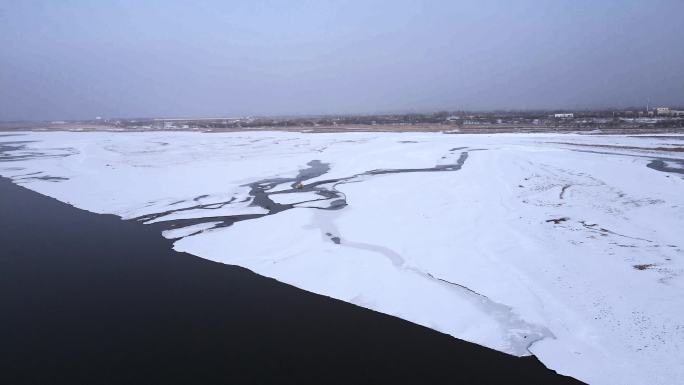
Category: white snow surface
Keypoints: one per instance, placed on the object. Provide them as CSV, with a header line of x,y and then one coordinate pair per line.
x,y
471,252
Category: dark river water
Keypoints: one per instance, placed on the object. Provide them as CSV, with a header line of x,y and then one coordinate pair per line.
x,y
92,299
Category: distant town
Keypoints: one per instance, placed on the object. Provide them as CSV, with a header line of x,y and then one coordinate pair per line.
x,y
659,119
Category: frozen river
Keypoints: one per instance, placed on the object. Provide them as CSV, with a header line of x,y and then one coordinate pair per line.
x,y
566,247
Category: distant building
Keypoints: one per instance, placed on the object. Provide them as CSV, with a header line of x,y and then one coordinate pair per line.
x,y
666,111
662,111
564,116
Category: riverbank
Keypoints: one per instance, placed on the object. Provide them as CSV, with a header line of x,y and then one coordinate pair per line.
x,y
90,298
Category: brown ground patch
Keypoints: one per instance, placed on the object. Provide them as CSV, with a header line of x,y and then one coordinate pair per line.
x,y
644,267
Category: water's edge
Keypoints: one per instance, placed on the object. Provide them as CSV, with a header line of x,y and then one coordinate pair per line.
x,y
92,298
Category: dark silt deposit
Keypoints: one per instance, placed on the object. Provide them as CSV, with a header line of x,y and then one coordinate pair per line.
x,y
92,299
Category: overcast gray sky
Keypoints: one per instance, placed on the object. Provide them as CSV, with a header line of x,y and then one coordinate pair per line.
x,y
75,59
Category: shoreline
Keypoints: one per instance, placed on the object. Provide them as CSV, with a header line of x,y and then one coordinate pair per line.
x,y
91,298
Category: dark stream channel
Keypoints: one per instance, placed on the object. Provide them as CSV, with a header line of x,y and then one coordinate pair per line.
x,y
657,163
92,299
661,165
263,191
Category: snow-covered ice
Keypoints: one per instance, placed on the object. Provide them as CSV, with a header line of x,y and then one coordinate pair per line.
x,y
568,247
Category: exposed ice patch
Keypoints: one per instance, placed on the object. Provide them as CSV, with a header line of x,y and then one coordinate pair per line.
x,y
188,230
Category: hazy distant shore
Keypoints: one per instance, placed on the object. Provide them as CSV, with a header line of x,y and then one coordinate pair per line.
x,y
448,129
